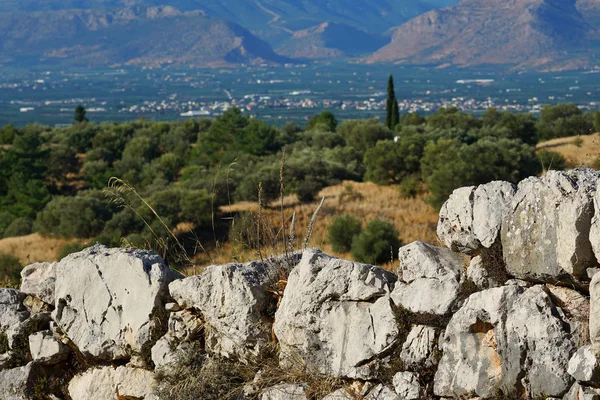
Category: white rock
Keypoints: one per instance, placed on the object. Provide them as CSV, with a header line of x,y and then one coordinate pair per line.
x,y
595,313
12,314
407,385
18,383
547,235
106,382
336,316
418,349
501,339
235,301
46,349
472,217
483,276
583,366
38,280
284,392
109,302
579,392
382,392
430,279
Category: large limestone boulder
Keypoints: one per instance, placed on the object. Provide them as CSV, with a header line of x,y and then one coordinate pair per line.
x,y
108,383
336,316
38,280
110,302
236,302
546,236
507,339
471,219
430,279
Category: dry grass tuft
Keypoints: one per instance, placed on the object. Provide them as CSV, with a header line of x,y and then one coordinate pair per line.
x,y
586,155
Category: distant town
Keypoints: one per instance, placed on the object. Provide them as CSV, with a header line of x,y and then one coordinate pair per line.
x,y
291,93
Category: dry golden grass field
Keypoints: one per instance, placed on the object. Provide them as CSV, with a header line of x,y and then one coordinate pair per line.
x,y
584,155
32,248
414,219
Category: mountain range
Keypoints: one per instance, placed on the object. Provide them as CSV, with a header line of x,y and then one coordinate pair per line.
x,y
537,34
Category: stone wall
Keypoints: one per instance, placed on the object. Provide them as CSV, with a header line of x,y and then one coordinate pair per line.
x,y
510,309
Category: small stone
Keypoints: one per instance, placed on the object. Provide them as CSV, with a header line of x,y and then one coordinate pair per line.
x,y
38,280
46,349
407,385
583,365
430,279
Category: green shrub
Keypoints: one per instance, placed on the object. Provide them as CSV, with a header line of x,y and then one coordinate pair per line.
x,y
19,227
73,217
552,160
341,232
10,270
377,243
410,186
308,189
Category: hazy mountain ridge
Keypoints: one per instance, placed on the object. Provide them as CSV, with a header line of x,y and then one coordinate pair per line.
x,y
155,35
538,34
541,34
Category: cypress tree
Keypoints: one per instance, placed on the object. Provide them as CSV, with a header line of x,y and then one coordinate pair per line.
x,y
80,114
392,115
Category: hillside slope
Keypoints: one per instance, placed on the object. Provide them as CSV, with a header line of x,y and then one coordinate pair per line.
x,y
542,34
330,40
135,35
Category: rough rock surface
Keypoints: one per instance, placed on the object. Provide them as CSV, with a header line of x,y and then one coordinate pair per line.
x,y
595,312
283,392
382,392
107,382
109,302
505,339
471,219
418,350
46,349
430,279
336,316
12,314
584,366
579,392
484,275
546,237
18,383
235,302
407,385
38,280
576,309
